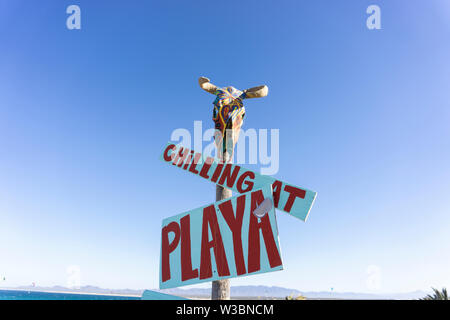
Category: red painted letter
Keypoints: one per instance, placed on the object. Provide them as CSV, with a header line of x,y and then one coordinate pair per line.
x,y
181,156
276,186
186,260
235,224
166,152
227,175
254,263
188,160
217,172
205,168
293,193
194,163
210,222
241,180
167,248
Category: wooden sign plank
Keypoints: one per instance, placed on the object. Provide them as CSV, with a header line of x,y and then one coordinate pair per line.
x,y
291,199
220,241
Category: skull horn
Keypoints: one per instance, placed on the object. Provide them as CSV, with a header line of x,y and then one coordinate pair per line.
x,y
256,92
206,85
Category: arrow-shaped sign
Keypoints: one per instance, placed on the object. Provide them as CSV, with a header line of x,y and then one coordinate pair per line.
x,y
293,200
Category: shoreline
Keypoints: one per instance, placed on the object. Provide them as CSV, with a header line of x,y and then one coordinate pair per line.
x,y
72,292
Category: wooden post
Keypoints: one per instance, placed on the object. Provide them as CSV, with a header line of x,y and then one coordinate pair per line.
x,y
220,289
231,99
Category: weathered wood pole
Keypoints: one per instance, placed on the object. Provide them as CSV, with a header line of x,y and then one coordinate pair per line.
x,y
228,115
220,289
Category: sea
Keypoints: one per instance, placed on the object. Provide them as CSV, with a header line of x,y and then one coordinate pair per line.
x,y
37,295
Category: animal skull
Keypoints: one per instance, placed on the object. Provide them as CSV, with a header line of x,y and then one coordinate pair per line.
x,y
228,114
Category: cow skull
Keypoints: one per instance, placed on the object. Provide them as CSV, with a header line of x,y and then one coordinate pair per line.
x,y
228,114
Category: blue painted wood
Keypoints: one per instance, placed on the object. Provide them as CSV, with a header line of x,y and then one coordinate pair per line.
x,y
195,233
293,200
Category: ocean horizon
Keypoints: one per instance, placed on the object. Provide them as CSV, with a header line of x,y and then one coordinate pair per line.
x,y
45,295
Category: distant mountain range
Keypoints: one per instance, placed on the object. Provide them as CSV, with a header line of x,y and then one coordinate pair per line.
x,y
249,292
279,292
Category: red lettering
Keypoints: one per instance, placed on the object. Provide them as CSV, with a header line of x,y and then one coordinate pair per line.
x,y
186,260
217,172
293,194
228,176
276,186
235,224
188,160
168,157
181,156
241,180
254,262
194,163
167,248
210,222
205,168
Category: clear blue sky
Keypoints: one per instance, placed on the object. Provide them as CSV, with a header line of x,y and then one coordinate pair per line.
x,y
363,117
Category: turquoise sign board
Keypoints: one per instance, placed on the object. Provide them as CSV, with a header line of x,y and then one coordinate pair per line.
x,y
291,199
155,295
219,241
